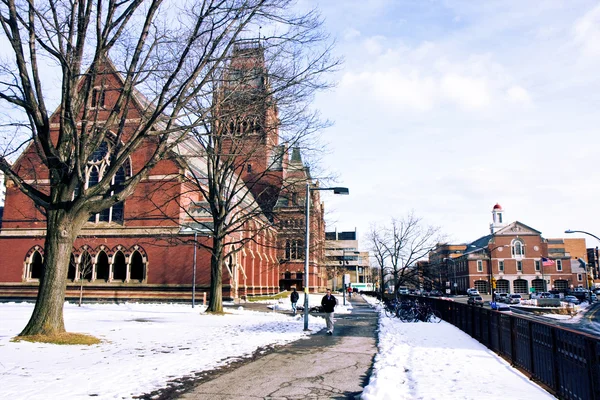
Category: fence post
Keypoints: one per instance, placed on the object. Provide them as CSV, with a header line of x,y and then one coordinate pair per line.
x,y
555,361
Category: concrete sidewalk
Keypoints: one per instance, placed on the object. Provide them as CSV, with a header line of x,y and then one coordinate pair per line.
x,y
320,367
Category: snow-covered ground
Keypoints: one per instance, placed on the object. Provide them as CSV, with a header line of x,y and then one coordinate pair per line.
x,y
143,347
146,345
439,361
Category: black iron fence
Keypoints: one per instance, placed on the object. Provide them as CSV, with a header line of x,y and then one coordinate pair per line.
x,y
563,361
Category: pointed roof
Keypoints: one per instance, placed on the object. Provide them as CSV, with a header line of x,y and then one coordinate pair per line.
x,y
517,228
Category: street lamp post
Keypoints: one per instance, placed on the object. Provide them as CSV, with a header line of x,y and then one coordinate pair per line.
x,y
336,190
488,252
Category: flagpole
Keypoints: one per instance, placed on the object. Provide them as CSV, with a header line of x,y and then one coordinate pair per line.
x,y
543,279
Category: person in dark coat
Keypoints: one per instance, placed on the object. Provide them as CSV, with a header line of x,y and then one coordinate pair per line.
x,y
328,302
294,299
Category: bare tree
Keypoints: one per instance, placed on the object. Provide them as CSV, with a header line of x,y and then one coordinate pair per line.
x,y
164,55
86,267
398,248
259,112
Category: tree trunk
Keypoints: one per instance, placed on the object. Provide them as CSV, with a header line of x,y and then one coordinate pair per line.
x,y
215,303
81,292
47,317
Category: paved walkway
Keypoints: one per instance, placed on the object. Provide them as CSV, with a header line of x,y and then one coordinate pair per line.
x,y
321,367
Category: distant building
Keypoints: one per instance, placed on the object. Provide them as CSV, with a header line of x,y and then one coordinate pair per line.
x,y
342,256
513,258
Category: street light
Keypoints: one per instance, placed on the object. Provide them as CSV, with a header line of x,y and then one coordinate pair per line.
x,y
587,278
335,190
489,260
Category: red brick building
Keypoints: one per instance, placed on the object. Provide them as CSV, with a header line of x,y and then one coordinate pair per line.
x,y
514,258
144,248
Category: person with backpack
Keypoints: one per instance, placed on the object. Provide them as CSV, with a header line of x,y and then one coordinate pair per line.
x,y
294,298
328,302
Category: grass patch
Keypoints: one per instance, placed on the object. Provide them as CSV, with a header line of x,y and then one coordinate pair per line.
x,y
60,338
282,295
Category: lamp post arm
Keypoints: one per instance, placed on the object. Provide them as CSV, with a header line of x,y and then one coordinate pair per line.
x,y
584,232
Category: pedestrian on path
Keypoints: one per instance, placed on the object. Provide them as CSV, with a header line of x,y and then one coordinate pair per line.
x,y
329,302
294,299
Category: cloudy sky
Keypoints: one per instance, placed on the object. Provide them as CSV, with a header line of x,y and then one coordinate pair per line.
x,y
448,107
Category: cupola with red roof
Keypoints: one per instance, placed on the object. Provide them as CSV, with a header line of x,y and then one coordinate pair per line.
x,y
497,218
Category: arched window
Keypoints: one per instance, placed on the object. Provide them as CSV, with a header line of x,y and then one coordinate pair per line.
x,y
518,248
137,267
119,267
287,275
288,250
97,166
36,266
102,267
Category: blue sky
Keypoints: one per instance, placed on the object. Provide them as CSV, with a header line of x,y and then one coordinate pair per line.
x,y
448,107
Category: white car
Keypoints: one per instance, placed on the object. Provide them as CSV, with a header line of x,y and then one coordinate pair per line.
x,y
514,299
473,292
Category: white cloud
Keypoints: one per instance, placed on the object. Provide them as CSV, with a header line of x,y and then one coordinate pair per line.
x,y
351,34
586,32
518,95
467,92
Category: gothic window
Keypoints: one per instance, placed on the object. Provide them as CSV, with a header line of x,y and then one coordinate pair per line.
x,y
501,266
518,248
119,267
288,250
520,266
36,266
97,166
537,265
559,265
137,267
249,167
288,275
479,266
297,249
102,267
98,98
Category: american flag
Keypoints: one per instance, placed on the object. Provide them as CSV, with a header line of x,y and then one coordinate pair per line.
x,y
546,262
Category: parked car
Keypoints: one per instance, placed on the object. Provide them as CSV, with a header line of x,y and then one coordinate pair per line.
x,y
402,290
515,299
473,292
475,301
500,307
571,299
501,297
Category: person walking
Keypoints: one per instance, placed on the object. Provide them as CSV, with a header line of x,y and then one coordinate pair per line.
x,y
294,299
329,302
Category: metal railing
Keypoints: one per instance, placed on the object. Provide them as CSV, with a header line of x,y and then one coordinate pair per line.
x,y
563,361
